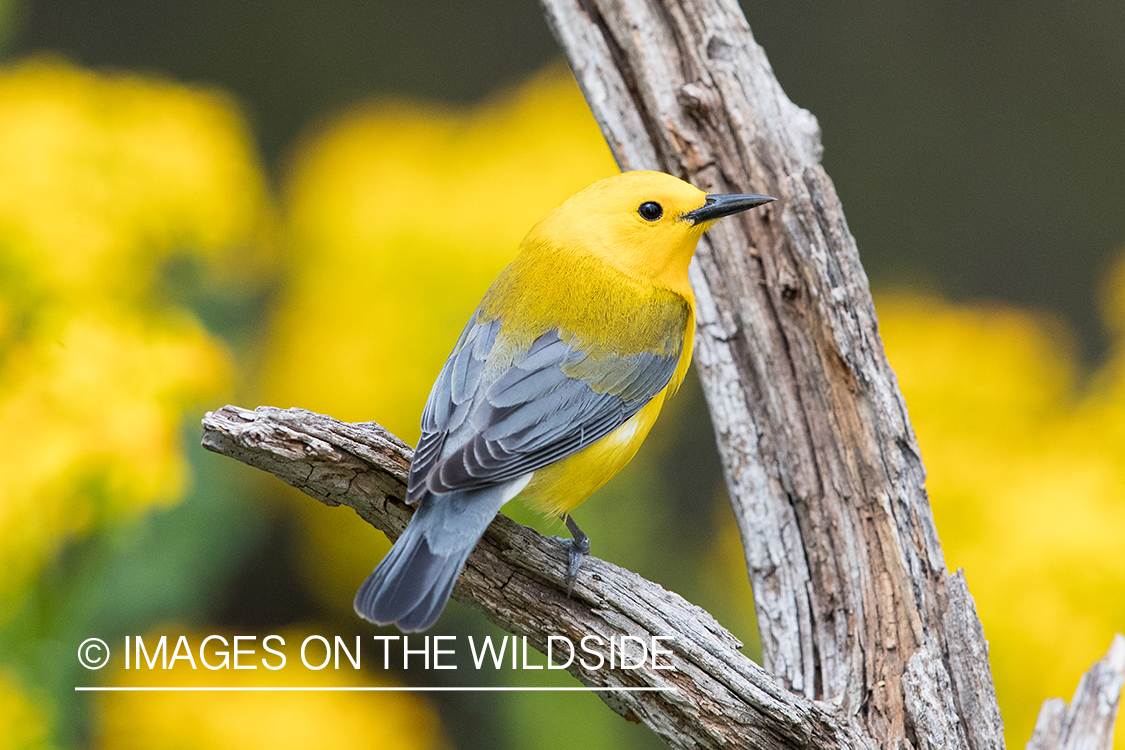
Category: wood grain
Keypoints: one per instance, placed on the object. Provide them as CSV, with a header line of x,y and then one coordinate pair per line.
x,y
822,464
710,694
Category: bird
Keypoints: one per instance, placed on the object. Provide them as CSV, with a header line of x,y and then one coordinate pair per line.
x,y
555,381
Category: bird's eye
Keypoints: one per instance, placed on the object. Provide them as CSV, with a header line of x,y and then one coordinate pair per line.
x,y
650,211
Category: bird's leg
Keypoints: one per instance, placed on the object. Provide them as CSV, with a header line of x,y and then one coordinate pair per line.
x,y
579,548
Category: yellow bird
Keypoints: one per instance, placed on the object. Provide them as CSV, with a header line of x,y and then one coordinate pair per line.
x,y
555,381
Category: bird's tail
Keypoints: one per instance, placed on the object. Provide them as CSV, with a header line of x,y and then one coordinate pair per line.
x,y
411,585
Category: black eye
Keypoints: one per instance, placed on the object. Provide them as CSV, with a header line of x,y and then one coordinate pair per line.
x,y
650,211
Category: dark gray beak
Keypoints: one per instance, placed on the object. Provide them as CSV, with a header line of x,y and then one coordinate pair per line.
x,y
718,206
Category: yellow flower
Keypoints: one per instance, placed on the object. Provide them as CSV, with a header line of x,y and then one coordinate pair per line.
x,y
23,723
1026,479
106,180
248,720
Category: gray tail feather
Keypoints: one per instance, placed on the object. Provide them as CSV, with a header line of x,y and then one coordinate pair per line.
x,y
411,585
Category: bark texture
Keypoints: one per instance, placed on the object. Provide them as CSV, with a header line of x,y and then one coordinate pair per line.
x,y
1088,723
854,603
704,693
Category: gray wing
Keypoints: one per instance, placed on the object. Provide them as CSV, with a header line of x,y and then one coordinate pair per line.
x,y
479,430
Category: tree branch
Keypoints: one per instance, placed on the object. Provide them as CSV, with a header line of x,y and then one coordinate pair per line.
x,y
516,577
1088,723
854,603
710,695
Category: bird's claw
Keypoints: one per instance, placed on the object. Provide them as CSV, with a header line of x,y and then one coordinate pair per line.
x,y
577,553
579,547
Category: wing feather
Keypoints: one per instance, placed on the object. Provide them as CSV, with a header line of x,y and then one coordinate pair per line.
x,y
554,400
451,399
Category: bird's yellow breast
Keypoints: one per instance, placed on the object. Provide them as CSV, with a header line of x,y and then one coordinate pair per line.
x,y
606,309
593,306
560,488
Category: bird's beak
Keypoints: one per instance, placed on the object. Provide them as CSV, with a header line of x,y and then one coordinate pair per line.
x,y
718,206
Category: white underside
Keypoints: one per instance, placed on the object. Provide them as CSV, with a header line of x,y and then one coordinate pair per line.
x,y
516,486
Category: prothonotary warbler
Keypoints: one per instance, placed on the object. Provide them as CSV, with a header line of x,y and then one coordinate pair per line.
x,y
555,381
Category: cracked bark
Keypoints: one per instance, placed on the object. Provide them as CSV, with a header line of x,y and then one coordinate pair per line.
x,y
854,603
704,693
824,470
871,640
517,578
1087,724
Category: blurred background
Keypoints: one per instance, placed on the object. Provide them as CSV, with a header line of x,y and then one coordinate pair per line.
x,y
300,204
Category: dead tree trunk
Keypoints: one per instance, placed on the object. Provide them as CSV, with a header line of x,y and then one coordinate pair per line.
x,y
854,603
873,641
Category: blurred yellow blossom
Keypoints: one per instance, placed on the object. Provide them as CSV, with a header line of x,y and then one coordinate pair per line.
x,y
89,421
246,720
105,176
1027,483
106,179
400,216
23,724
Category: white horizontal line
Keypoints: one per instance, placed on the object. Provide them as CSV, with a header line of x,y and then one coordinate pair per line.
x,y
431,689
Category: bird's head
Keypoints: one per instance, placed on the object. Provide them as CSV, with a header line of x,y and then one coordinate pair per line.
x,y
646,224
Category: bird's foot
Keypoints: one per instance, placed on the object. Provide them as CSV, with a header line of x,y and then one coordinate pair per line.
x,y
579,548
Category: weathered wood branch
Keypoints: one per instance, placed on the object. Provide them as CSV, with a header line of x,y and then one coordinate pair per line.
x,y
714,696
516,578
1088,723
854,603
